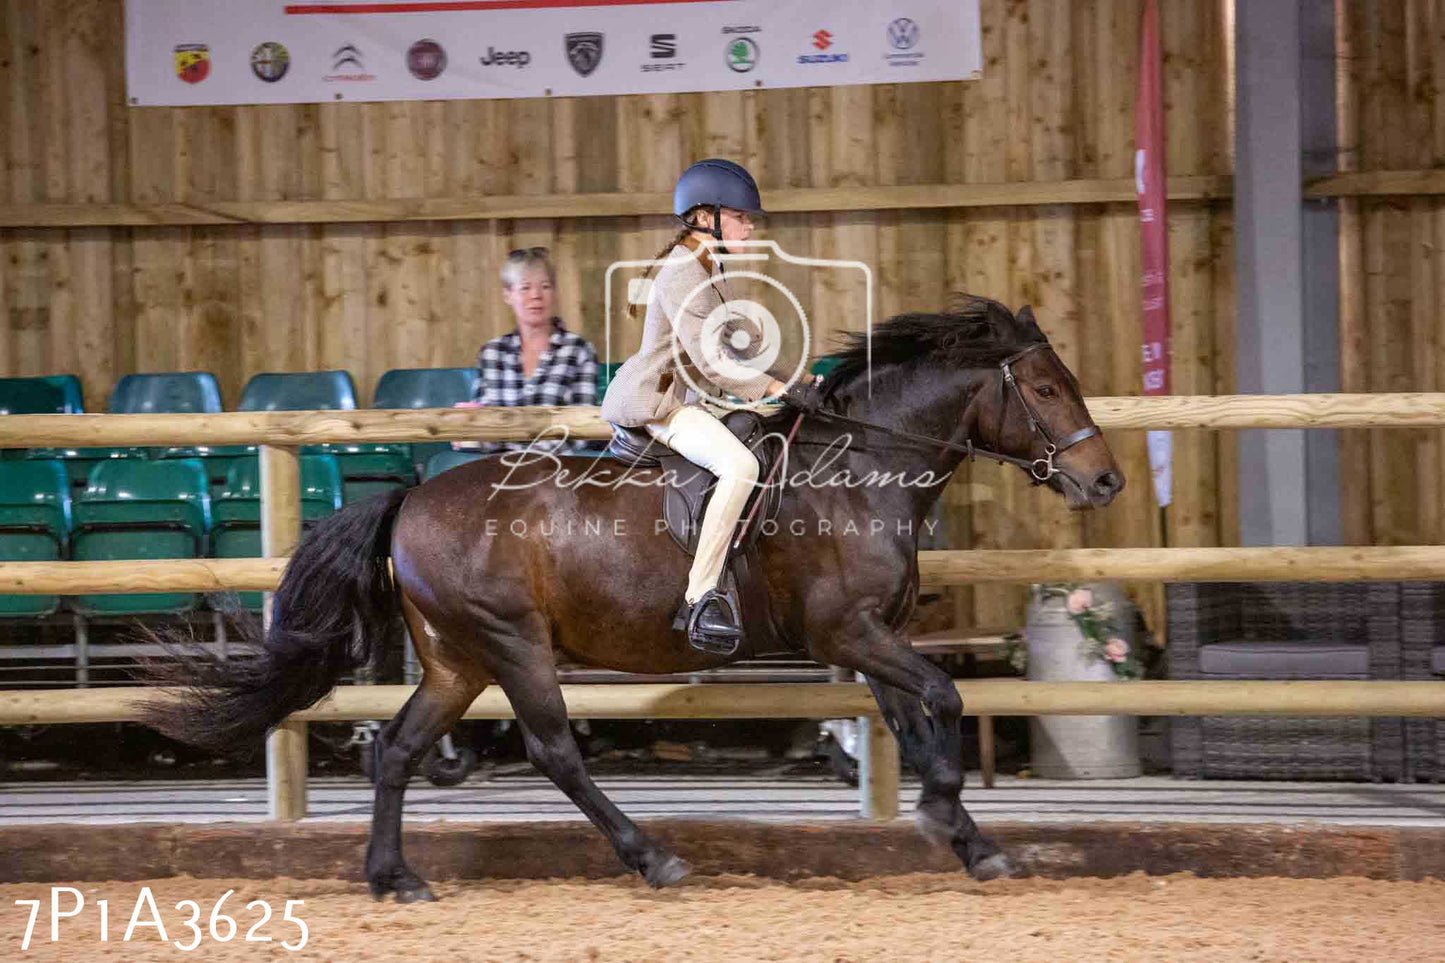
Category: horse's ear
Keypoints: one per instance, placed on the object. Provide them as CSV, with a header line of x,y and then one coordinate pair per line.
x,y
1028,322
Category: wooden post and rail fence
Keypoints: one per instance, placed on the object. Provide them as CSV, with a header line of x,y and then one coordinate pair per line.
x,y
281,433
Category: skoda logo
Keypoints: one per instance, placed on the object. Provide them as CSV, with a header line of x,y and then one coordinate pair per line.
x,y
742,54
903,34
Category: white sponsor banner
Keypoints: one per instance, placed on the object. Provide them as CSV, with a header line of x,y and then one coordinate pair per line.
x,y
194,52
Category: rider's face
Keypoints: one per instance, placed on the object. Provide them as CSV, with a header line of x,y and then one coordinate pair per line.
x,y
736,225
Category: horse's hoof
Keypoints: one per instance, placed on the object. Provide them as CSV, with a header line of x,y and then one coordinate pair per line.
x,y
671,870
415,894
997,866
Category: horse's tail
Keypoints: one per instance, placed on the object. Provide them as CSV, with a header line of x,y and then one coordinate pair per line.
x,y
330,615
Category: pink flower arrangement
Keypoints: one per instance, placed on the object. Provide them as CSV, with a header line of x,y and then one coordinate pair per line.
x,y
1096,624
1079,601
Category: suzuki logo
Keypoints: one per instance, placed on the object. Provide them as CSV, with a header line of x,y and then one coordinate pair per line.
x,y
822,40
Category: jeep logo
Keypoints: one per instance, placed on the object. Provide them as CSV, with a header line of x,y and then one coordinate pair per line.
x,y
505,58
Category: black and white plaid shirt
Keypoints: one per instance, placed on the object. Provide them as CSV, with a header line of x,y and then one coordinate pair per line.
x,y
566,375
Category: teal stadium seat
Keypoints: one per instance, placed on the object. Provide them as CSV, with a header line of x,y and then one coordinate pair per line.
x,y
79,462
34,527
181,392
142,510
184,391
824,366
48,395
605,373
446,460
365,469
53,395
424,388
299,391
236,523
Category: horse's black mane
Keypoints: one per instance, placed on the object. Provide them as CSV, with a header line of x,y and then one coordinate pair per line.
x,y
974,332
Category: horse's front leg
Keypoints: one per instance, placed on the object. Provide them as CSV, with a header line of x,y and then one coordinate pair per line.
x,y
940,813
924,711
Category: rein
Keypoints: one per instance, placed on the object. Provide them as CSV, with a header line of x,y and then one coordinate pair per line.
x,y
1041,469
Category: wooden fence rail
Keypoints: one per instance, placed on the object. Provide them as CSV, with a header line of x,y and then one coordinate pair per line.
x,y
823,701
370,425
950,567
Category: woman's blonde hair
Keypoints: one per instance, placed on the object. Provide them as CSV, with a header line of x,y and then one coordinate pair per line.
x,y
521,259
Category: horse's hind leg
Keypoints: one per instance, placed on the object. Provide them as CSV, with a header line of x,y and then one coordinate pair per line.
x,y
941,814
444,694
531,686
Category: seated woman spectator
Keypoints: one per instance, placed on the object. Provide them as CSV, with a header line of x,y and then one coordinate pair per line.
x,y
539,362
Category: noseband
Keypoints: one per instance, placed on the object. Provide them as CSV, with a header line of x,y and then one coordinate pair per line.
x,y
1041,469
1036,424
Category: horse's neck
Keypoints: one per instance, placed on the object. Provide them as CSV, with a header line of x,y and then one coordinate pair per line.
x,y
937,413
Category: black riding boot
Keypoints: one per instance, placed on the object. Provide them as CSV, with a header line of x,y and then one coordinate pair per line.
x,y
712,623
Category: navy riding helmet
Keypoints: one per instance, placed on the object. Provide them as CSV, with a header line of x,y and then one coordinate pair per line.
x,y
716,183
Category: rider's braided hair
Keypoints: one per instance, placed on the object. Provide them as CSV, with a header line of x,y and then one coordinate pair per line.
x,y
682,235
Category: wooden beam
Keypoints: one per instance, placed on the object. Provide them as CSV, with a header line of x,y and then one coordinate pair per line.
x,y
634,204
141,575
568,206
823,701
1412,409
293,428
1314,564
1212,564
1377,184
286,745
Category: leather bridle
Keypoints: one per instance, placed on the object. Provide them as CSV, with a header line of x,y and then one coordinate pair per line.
x,y
1041,469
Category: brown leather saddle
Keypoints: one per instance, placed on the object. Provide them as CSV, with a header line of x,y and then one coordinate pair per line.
x,y
685,499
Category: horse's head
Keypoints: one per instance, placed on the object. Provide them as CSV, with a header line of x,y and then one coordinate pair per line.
x,y
1032,409
1018,401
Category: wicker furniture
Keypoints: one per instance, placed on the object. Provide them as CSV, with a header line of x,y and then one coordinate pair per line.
x,y
1422,642
1286,631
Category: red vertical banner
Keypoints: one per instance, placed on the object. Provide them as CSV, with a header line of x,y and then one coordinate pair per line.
x,y
1149,181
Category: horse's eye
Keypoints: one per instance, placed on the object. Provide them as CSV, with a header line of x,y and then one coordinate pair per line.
x,y
1044,391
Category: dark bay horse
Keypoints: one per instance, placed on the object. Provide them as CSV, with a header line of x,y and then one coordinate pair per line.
x,y
498,569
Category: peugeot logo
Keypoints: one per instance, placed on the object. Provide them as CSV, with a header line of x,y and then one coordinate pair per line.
x,y
584,51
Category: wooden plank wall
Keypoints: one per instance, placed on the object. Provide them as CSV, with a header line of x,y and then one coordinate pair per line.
x,y
1055,102
1392,260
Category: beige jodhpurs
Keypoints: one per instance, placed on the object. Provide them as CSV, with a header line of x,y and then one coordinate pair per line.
x,y
705,441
